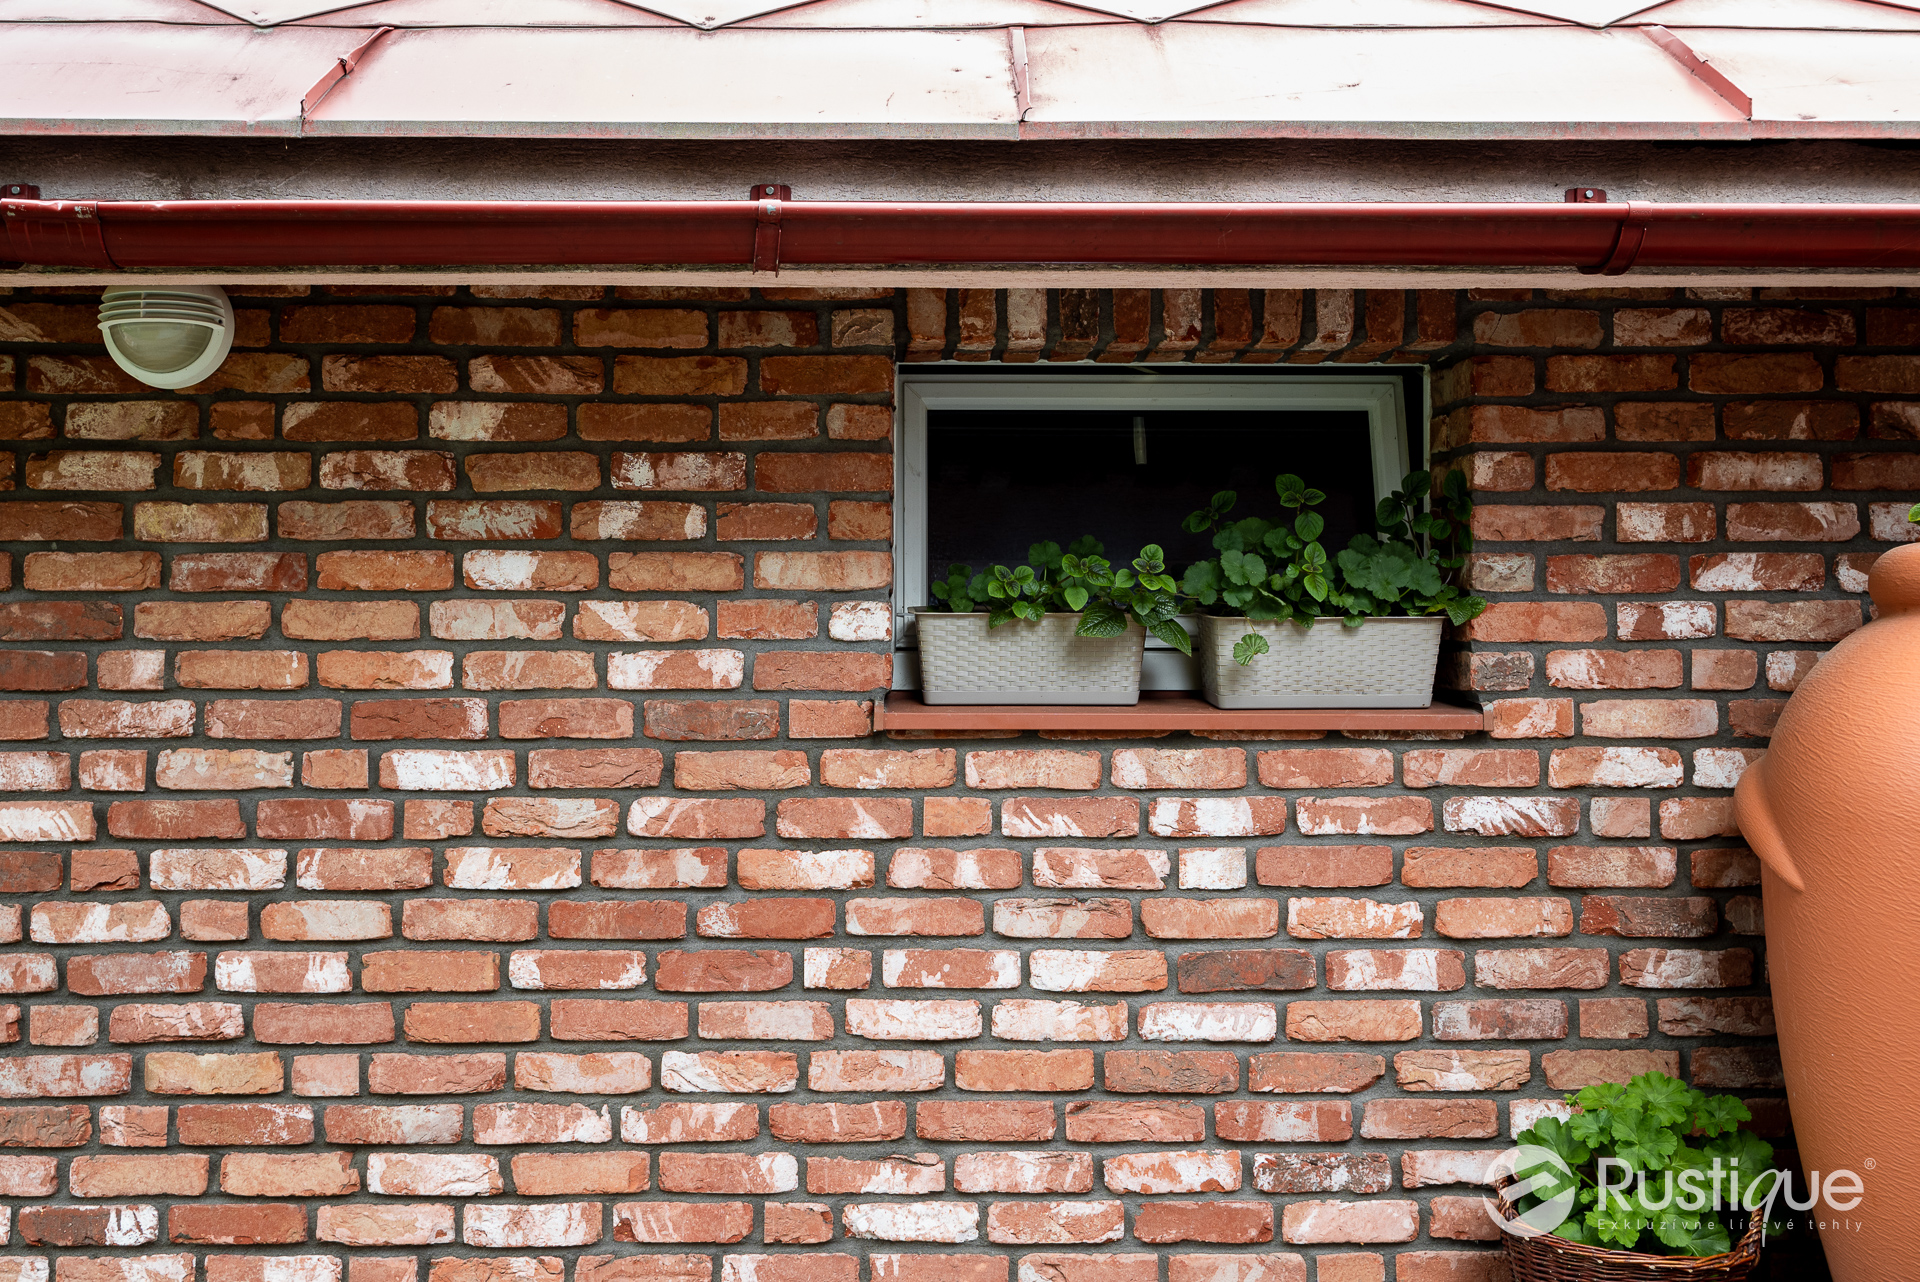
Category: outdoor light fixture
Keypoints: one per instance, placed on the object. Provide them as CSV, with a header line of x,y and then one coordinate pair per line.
x,y
171,337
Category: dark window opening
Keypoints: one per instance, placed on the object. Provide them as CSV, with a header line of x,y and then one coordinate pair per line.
x,y
1000,480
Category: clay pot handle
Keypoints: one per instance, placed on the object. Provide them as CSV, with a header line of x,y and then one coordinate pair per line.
x,y
1755,817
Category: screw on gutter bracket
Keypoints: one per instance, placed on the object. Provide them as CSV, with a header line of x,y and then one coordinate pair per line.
x,y
771,191
1586,195
20,191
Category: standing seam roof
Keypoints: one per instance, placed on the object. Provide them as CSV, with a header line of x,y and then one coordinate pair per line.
x,y
982,69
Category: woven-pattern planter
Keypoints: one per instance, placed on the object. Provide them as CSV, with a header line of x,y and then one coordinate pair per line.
x,y
1025,661
1383,663
1553,1259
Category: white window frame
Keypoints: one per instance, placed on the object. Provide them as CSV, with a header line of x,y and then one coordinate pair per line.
x,y
924,389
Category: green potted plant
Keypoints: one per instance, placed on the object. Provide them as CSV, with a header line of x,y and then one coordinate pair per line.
x,y
1068,628
1272,582
1638,1175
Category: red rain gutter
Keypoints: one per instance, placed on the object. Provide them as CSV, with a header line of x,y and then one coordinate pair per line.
x,y
770,233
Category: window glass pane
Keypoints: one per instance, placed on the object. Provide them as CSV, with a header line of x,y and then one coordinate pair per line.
x,y
998,481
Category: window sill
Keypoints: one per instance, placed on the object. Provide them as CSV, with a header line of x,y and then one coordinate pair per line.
x,y
1162,710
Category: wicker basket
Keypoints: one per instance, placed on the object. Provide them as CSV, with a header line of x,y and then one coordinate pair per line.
x,y
1383,663
1554,1259
1038,661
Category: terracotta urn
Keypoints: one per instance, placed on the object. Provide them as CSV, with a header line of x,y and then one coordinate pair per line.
x,y
1833,812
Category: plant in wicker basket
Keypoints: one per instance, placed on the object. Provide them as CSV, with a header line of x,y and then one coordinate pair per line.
x,y
1077,580
1655,1167
1280,571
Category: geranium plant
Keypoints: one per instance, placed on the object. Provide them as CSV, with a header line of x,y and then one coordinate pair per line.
x,y
1655,1166
1076,580
1281,571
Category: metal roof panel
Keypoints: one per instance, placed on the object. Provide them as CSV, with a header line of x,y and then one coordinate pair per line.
x,y
142,78
1820,75
180,11
1195,72
677,81
1364,14
1774,15
491,13
1587,13
946,15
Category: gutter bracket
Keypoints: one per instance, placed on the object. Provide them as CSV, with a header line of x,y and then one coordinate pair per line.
x,y
766,199
1627,245
342,68
54,233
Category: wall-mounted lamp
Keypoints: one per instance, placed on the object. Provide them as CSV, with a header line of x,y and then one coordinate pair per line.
x,y
170,337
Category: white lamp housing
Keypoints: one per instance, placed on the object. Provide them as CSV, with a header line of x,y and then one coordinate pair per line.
x,y
172,336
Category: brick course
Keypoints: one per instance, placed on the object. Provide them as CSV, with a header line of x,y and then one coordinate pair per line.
x,y
489,805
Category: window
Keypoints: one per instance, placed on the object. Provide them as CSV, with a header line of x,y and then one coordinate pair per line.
x,y
990,462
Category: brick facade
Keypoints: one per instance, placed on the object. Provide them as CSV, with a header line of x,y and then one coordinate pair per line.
x,y
445,837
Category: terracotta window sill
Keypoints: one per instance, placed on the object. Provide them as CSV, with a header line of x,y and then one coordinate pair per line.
x,y
1162,710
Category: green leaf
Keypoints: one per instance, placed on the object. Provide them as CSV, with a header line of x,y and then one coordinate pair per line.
x,y
1913,513
1308,525
1642,1141
1243,567
1247,647
1720,1114
1075,598
1172,633
1101,619
1689,1232
1663,1099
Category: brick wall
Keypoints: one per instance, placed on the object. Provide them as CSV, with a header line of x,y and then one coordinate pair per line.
x,y
444,836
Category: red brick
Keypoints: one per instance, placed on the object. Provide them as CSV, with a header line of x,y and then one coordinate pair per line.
x,y
1791,421
711,719
549,375
90,571
1537,327
496,421
1510,621
798,473
1324,866
350,421
387,571
821,670
1508,471
651,327
1821,621
61,522
830,719
853,520
63,620
1728,373
1612,473
1511,523
679,375
461,519
768,620
1658,421
1754,470
1725,669
1620,374
750,522
495,326
675,571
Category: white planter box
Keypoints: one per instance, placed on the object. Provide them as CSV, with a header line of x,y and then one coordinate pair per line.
x,y
1038,661
1383,663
